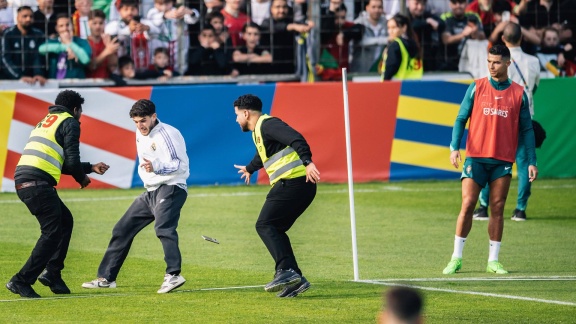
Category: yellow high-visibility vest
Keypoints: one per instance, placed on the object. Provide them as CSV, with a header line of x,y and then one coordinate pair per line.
x,y
284,164
42,151
410,68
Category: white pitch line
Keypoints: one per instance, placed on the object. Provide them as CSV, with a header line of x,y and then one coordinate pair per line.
x,y
466,292
221,288
249,193
66,297
122,295
525,278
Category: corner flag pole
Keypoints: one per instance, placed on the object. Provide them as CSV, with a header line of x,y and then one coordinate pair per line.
x,y
350,177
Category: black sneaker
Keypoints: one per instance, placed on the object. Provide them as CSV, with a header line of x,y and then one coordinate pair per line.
x,y
295,290
22,289
55,282
519,215
283,278
481,213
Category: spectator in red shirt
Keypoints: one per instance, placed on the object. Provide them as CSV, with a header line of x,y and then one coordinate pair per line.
x,y
234,20
104,58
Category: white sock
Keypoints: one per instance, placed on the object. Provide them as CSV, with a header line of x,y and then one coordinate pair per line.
x,y
494,250
458,246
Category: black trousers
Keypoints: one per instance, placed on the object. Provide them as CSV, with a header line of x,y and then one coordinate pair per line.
x,y
163,206
285,202
56,225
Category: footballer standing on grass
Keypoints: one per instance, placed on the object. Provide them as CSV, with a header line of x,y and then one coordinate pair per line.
x,y
499,115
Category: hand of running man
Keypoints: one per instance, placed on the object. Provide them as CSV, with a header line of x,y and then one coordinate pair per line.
x,y
244,174
312,174
147,165
100,167
85,182
532,172
455,158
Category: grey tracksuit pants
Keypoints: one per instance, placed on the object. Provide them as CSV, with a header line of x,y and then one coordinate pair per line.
x,y
163,206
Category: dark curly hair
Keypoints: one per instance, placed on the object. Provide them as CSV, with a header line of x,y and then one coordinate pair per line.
x,y
248,101
69,99
143,108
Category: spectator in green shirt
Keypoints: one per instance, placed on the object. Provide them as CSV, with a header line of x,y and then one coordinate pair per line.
x,y
68,55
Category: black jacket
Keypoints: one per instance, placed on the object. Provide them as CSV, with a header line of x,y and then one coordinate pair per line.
x,y
207,61
276,135
47,27
68,136
281,42
429,38
394,56
20,56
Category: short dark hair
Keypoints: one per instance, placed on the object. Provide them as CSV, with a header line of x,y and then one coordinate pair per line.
x,y
96,13
162,50
512,33
24,8
250,24
124,60
142,108
404,303
128,3
248,101
69,99
212,15
208,27
342,7
368,2
500,49
62,15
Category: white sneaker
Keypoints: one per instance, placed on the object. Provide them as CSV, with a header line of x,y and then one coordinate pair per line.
x,y
170,283
99,283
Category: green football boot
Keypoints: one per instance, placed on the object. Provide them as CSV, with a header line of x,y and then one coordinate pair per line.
x,y
454,265
495,267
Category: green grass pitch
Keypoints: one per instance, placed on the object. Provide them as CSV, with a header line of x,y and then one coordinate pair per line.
x,y
405,234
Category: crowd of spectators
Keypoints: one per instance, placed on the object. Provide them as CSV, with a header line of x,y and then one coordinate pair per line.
x,y
162,39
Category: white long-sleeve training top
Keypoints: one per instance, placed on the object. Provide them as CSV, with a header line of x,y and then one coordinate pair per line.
x,y
164,146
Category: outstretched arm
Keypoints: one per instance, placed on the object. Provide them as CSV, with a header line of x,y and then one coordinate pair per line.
x,y
244,174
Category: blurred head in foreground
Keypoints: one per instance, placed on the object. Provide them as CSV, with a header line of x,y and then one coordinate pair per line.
x,y
402,305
